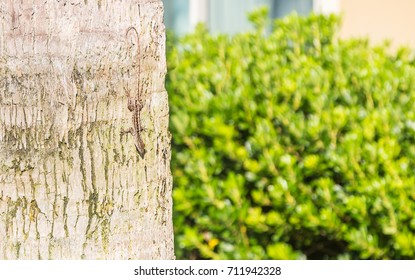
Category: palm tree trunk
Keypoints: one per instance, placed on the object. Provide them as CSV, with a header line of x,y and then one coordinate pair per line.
x,y
72,185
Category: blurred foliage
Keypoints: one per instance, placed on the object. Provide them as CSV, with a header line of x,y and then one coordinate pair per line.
x,y
289,143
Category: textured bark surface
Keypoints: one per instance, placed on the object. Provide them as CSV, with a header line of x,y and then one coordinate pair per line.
x,y
71,185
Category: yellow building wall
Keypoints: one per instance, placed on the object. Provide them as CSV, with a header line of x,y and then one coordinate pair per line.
x,y
380,20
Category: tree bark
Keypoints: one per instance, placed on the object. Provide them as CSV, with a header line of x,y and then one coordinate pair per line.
x,y
72,185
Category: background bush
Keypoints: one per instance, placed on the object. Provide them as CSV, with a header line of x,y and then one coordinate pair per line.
x,y
292,144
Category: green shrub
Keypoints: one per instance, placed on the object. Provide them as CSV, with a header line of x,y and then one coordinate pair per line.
x,y
292,143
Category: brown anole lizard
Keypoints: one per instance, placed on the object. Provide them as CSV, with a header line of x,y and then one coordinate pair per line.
x,y
135,103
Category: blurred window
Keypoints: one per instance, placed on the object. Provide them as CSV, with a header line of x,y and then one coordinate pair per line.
x,y
176,16
280,8
228,16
